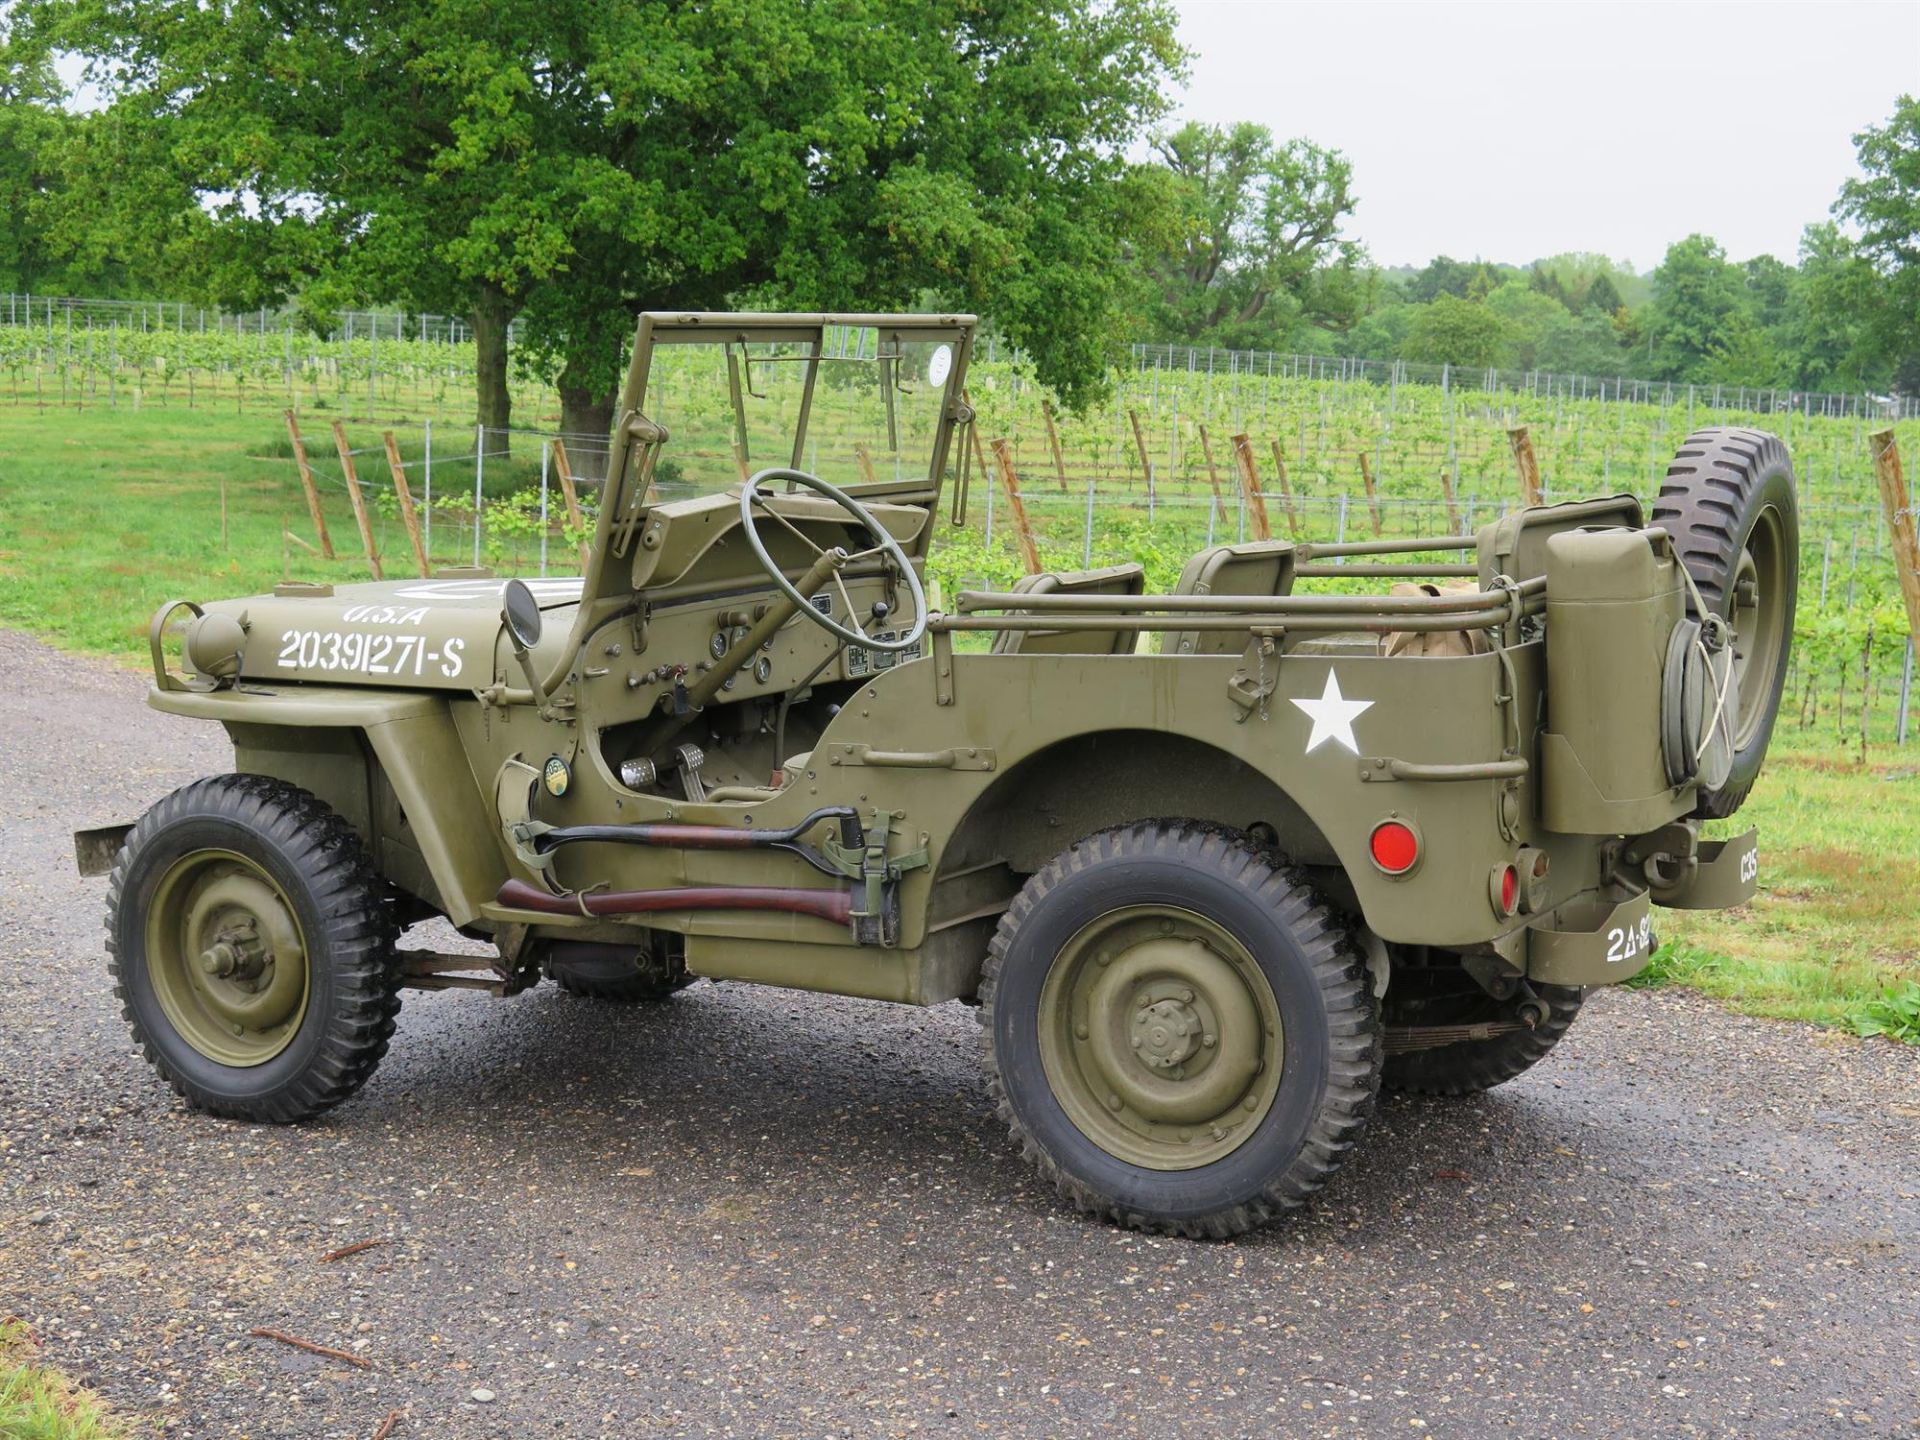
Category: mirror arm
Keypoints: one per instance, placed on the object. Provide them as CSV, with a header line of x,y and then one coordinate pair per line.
x,y
525,657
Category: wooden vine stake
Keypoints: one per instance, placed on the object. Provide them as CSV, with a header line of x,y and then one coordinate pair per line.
x,y
1213,472
1053,444
1453,506
1286,490
860,453
1250,487
1022,530
1256,504
1140,439
1373,500
1898,505
405,496
569,493
1527,463
306,483
359,500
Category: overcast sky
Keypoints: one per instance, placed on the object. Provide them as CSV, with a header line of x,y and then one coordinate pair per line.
x,y
1513,131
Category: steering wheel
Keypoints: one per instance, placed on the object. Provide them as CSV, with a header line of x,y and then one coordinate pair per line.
x,y
752,500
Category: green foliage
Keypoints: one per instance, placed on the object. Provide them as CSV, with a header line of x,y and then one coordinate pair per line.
x,y
1676,962
1699,302
1452,331
41,1404
1446,276
1894,1014
1831,314
1529,320
1884,201
1256,248
575,165
33,129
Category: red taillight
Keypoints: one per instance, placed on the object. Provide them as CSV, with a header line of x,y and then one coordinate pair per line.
x,y
1394,846
1509,889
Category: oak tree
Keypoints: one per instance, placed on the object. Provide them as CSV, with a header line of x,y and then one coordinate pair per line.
x,y
570,164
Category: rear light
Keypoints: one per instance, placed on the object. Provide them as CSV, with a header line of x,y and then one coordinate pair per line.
x,y
1394,846
1504,890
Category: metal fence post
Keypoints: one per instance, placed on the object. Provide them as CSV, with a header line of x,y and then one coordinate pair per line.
x,y
479,474
429,488
1086,548
545,451
1906,693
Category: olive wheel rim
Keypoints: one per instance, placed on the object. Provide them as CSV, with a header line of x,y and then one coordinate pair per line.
x,y
227,958
1161,1037
1756,609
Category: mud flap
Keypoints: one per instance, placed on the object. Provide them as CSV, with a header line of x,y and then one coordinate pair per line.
x,y
1600,937
94,851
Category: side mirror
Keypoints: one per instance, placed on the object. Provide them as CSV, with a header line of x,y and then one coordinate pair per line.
x,y
520,613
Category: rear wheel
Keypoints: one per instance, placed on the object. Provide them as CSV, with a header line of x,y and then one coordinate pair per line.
x,y
1179,1032
251,948
1729,504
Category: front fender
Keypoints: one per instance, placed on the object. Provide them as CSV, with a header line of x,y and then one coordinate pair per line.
x,y
412,749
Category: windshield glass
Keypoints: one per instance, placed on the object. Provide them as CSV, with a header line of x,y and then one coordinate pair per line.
x,y
864,401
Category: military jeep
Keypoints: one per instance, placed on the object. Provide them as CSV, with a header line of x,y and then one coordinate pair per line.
x,y
1214,864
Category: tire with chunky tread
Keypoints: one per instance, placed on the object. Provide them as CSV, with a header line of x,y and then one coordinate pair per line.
x,y
1332,1047
1721,486
346,919
1475,1066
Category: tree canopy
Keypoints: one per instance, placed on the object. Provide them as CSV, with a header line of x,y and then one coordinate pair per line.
x,y
573,165
1884,201
566,166
1256,244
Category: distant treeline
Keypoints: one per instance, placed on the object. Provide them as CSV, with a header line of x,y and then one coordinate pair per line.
x,y
552,170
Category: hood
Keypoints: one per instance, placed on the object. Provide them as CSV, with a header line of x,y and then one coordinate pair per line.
x,y
409,634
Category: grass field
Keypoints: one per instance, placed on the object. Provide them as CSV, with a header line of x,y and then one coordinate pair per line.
x,y
42,1404
104,513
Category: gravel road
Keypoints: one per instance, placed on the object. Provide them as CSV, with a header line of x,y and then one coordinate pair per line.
x,y
750,1212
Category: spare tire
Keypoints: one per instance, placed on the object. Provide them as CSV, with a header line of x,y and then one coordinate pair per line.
x,y
1728,503
618,973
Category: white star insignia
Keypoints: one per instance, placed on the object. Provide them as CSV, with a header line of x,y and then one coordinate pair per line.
x,y
1333,716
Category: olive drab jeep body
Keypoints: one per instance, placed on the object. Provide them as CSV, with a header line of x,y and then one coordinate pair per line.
x,y
1216,863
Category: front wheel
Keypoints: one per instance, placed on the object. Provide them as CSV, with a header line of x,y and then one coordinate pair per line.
x,y
1178,1031
252,949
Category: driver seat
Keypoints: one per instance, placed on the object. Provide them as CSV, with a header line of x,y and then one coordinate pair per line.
x,y
1128,579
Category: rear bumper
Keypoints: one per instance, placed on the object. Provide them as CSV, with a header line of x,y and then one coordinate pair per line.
x,y
1598,938
1604,936
1722,873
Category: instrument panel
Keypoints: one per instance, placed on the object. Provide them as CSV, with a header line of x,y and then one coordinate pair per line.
x,y
645,658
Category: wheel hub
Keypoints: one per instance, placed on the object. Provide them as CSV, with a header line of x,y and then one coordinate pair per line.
x,y
227,958
1161,1037
1166,1033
